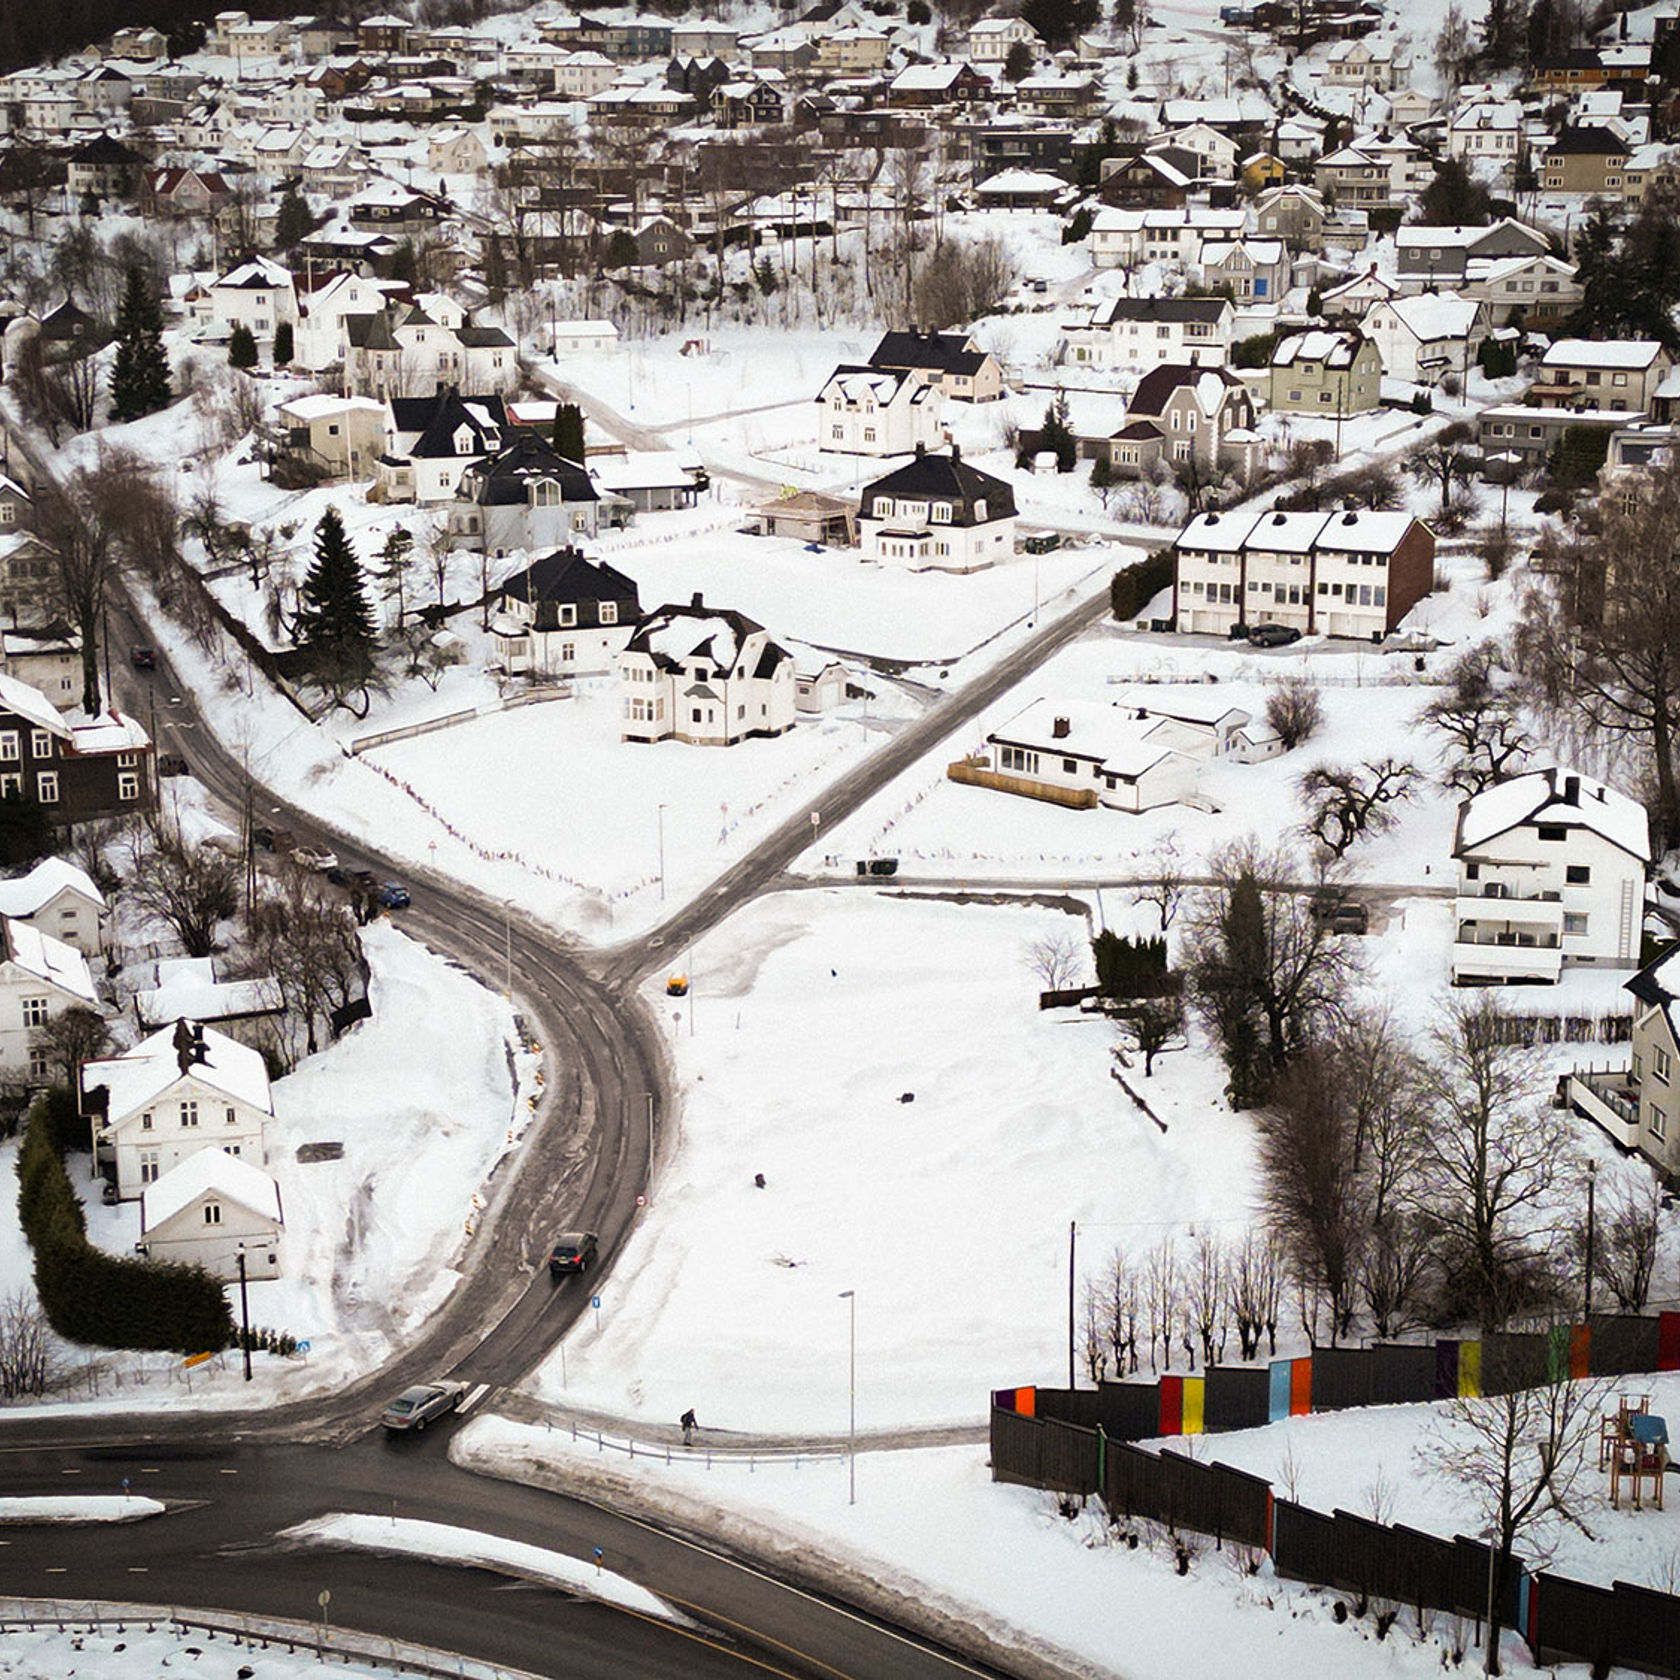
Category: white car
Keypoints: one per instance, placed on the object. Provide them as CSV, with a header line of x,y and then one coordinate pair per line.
x,y
317,858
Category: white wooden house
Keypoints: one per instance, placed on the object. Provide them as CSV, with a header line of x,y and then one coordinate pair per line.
x,y
1083,755
40,978
563,616
60,900
185,1088
937,513
705,675
1551,874
877,411
207,1210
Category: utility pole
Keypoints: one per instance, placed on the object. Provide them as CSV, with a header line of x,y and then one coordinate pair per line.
x,y
1592,1186
1073,1239
244,1313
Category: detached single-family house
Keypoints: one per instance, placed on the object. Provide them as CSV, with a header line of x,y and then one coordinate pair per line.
x,y
210,1210
60,900
345,436
431,441
562,616
1620,376
1530,291
1551,874
1324,372
257,295
77,768
1080,755
1137,334
1187,414
937,513
1428,256
527,496
1424,338
1342,574
705,675
185,1088
1485,130
40,978
877,411
951,361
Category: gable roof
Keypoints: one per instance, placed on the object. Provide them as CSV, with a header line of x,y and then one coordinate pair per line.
x,y
214,1172
948,352
23,895
441,417
1161,311
672,635
143,1074
569,575
49,960
1553,796
504,479
1209,386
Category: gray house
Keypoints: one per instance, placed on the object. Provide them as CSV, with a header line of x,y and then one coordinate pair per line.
x,y
528,496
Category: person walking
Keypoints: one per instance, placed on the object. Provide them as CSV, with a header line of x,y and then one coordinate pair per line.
x,y
689,1425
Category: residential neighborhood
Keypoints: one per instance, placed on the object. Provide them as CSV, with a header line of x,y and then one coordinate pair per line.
x,y
661,668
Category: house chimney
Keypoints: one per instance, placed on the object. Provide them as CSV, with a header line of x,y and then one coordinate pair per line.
x,y
1572,790
1059,729
956,451
921,450
182,1039
698,600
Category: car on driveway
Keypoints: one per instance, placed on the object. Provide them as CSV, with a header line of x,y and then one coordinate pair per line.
x,y
1273,635
415,1407
317,858
573,1251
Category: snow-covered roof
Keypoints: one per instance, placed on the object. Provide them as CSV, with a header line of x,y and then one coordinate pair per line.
x,y
23,895
50,960
685,633
642,469
1021,181
1108,735
204,998
109,732
1603,353
1553,796
143,1074
1430,315
1286,533
259,273
209,1171
32,705
1364,531
322,405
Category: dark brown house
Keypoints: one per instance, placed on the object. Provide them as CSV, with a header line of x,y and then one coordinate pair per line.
x,y
78,771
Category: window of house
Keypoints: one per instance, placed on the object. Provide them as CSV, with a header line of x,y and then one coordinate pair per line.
x,y
148,1166
1577,874
1662,1064
40,743
46,787
189,1114
1574,921
34,1011
212,1213
1551,831
128,784
1657,1120
232,1116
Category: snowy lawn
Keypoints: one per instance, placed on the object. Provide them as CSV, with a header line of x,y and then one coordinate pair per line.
x,y
814,1014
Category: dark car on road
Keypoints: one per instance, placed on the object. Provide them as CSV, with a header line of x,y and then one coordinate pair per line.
x,y
415,1407
1273,635
392,896
144,659
573,1251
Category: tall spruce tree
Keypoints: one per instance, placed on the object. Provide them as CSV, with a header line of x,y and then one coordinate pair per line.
x,y
140,374
335,627
568,432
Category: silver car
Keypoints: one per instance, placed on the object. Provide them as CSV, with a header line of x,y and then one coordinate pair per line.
x,y
415,1407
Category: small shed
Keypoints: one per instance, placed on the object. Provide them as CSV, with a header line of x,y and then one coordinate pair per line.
x,y
583,338
818,687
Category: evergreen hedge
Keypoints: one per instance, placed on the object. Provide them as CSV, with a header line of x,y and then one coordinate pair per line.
x,y
1134,586
93,1297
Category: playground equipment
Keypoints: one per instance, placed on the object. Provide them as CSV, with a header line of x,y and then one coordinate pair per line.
x,y
1632,1444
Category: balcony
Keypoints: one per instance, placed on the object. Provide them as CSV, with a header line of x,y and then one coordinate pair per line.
x,y
1609,1097
1505,958
1504,912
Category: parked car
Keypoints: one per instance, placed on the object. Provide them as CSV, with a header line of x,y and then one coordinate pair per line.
x,y
415,1407
1273,635
317,858
573,1251
172,764
1342,915
144,659
392,895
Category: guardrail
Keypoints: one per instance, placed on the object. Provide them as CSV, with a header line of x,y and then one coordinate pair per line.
x,y
260,1633
449,720
706,1454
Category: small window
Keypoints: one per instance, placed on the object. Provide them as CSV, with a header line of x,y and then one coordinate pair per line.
x,y
128,785
46,787
1574,921
146,1121
34,1011
232,1116
608,611
1662,1064
212,1213
189,1114
1578,874
1551,831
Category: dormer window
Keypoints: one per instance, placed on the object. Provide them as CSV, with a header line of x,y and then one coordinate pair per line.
x,y
980,509
463,442
568,615
942,513
607,611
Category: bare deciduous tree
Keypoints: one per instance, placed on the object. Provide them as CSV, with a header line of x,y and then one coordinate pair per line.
x,y
1254,1279
307,942
1523,1453
1055,960
1207,1296
1627,1243
1153,1024
1496,1160
1164,885
1161,1292
190,890
28,1348
1293,711
70,1038
1485,740
1345,803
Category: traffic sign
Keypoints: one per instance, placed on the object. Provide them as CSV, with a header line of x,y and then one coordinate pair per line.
x,y
595,1302
303,1347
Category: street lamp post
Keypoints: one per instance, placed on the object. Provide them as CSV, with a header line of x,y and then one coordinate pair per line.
x,y
244,1314
850,1296
661,854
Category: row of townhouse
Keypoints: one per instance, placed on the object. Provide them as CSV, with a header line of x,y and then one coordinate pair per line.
x,y
1343,574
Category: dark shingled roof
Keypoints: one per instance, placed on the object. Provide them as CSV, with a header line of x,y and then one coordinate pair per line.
x,y
568,576
505,479
949,352
945,478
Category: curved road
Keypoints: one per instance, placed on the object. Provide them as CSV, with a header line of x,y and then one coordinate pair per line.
x,y
587,1155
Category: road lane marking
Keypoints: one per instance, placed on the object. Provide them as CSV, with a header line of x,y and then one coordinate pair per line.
x,y
58,1569
227,1472
138,1569
69,1472
473,1398
149,1470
